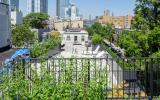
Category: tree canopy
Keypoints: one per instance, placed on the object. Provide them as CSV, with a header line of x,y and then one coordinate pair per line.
x,y
36,20
145,39
105,31
96,39
147,14
22,35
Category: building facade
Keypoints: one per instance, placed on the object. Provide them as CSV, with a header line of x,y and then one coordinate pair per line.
x,y
72,12
60,7
4,26
34,6
75,37
14,4
120,22
16,17
67,10
63,25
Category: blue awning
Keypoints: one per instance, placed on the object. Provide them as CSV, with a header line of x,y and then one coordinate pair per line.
x,y
18,53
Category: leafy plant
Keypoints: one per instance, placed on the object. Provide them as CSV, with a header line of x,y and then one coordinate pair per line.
x,y
42,48
22,36
36,20
56,82
96,39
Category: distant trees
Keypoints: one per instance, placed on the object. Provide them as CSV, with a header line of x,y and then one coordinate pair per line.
x,y
143,43
144,39
98,31
22,36
36,20
146,36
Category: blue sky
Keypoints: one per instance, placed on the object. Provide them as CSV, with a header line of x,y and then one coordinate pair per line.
x,y
93,7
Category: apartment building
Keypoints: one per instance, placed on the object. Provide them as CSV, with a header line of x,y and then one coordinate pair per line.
x,y
120,22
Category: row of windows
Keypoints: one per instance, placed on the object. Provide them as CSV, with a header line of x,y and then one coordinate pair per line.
x,y
69,38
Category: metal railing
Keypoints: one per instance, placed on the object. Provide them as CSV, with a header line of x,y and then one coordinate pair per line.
x,y
140,80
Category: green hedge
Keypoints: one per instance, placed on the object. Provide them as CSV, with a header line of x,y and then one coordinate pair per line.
x,y
42,48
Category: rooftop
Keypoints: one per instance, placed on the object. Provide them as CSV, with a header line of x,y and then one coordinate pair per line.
x,y
74,30
5,55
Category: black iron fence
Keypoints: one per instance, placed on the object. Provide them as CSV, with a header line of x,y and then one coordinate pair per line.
x,y
135,78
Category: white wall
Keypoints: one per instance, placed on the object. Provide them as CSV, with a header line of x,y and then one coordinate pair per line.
x,y
72,36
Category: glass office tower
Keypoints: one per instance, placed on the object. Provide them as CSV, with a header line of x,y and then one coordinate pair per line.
x,y
14,4
61,4
37,6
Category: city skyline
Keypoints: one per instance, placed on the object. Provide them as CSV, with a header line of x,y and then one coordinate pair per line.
x,y
95,8
37,6
60,7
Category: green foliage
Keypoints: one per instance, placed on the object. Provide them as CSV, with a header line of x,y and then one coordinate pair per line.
x,y
124,65
154,40
36,20
105,31
42,48
128,41
22,35
140,43
156,54
45,85
96,39
147,14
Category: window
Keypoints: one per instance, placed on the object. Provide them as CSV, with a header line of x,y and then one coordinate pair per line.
x,y
82,38
68,38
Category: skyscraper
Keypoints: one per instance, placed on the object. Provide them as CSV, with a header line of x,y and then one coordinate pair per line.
x,y
14,4
61,4
37,6
58,8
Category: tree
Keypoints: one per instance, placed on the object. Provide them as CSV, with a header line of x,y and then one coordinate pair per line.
x,y
147,13
96,39
36,20
106,31
22,36
154,40
129,41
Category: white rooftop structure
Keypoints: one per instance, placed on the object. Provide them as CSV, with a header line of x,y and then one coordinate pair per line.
x,y
75,36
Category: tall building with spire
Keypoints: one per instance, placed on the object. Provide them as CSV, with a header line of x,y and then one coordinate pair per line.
x,y
37,6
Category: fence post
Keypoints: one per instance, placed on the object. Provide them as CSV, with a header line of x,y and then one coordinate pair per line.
x,y
88,70
23,65
151,78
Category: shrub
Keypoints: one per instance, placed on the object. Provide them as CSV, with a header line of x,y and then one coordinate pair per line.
x,y
45,85
96,39
42,48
